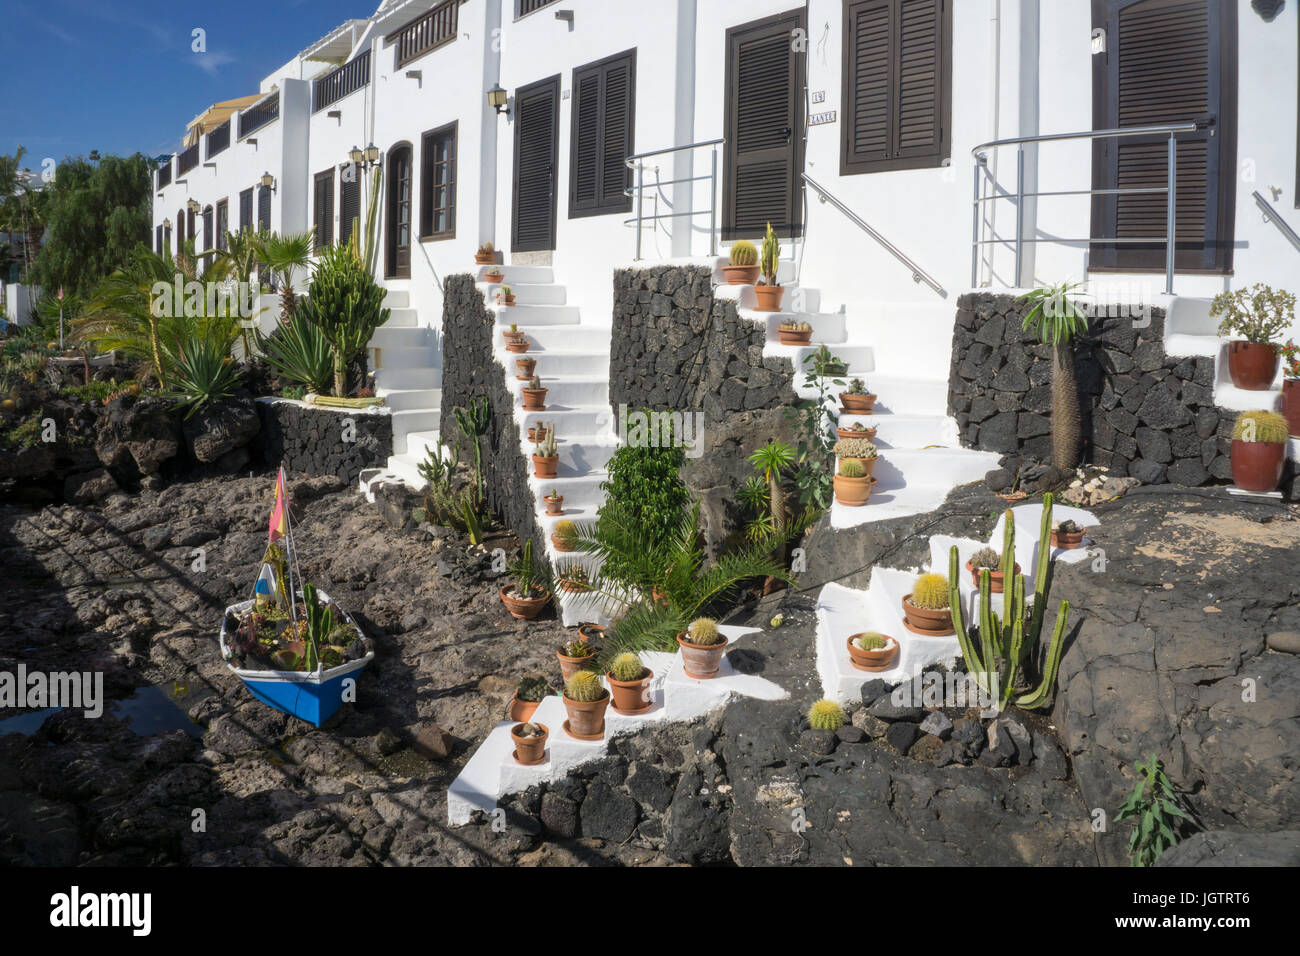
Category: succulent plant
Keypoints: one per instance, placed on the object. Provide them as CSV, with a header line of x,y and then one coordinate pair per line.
x,y
584,687
872,641
507,291
856,387
529,730
793,326
533,689
1067,527
545,447
627,667
575,578
535,382
855,448
825,715
986,558
577,648
930,592
744,253
771,255
852,468
514,329
1261,425
704,631
486,249
566,530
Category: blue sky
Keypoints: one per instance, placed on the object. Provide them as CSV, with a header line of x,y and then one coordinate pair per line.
x,y
120,76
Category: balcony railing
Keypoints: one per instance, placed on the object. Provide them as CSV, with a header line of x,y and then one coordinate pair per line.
x,y
259,114
217,140
335,85
427,32
165,173
187,160
528,6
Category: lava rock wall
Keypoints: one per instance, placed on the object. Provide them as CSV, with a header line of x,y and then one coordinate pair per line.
x,y
315,441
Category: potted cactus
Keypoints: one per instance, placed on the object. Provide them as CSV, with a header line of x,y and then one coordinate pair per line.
x,y
494,276
505,295
769,292
859,450
524,369
856,400
794,333
1258,450
529,594
629,684
554,503
856,430
926,610
486,255
528,694
576,655
852,483
1291,386
702,646
574,579
1066,535
988,559
585,700
744,266
534,395
1255,316
546,458
564,535
537,432
826,714
516,341
872,651
530,743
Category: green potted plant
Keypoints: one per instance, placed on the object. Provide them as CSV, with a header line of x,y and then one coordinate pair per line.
x,y
526,598
534,395
1291,386
585,700
494,276
856,430
857,449
546,458
769,292
486,255
505,295
702,646
576,655
554,502
744,266
926,610
524,369
530,743
793,333
1255,317
528,694
852,484
872,651
1258,453
574,579
1066,535
537,432
516,341
856,400
629,684
564,535
987,559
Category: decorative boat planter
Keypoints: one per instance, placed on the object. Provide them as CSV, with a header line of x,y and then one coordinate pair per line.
x,y
530,750
701,661
524,369
867,434
881,659
586,718
544,466
769,297
920,620
1252,365
792,336
524,609
534,399
853,492
995,575
741,275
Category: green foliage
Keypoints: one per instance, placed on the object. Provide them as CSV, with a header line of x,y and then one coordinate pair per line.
x,y
347,305
584,687
814,425
856,387
986,558
1259,314
1261,425
1008,646
94,392
770,461
743,253
704,631
825,715
26,434
627,667
1154,805
930,592
298,352
444,503
645,499
855,448
285,256
1053,315
320,624
533,689
202,373
532,577
472,424
852,468
577,649
771,255
871,641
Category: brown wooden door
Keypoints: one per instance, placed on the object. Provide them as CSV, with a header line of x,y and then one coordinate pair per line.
x,y
1166,61
537,137
764,127
399,213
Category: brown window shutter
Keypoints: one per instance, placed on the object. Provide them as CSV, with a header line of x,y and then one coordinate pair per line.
x,y
349,201
324,211
264,208
246,209
604,120
223,223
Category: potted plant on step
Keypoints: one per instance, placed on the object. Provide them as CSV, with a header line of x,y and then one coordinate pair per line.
x,y
702,646
1291,386
857,449
769,292
926,610
505,295
856,400
988,559
494,276
529,594
528,694
576,655
516,341
1255,317
486,255
744,266
629,684
554,502
856,430
1258,450
585,700
534,395
546,459
564,535
530,743
794,333
1066,535
524,368
574,579
852,483
871,651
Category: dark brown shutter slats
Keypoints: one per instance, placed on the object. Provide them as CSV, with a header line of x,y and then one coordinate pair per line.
x,y
586,141
263,208
603,122
536,131
868,103
324,209
349,201
617,140
246,209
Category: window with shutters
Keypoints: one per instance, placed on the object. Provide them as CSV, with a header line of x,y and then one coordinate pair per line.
x,y
180,230
604,98
190,232
323,219
438,183
207,228
158,246
223,223
246,209
897,91
264,208
349,200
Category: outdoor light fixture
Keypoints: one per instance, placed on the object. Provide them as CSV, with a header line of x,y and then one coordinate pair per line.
x,y
356,155
498,99
193,206
167,224
1268,9
372,154
566,16
268,181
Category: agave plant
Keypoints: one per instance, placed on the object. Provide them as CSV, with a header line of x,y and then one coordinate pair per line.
x,y
299,352
202,372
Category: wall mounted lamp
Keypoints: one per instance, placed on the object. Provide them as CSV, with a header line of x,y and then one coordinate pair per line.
x,y
499,100
268,181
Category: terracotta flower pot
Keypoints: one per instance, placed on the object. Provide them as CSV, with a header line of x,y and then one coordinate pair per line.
x,y
593,634
853,492
868,434
1252,365
534,399
524,368
507,300
561,544
1257,465
995,577
921,620
517,345
878,660
484,258
793,336
857,404
554,504
544,466
536,434
1067,540
496,277
530,750
571,665
586,718
741,275
1291,405
633,696
769,297
521,711
524,609
701,661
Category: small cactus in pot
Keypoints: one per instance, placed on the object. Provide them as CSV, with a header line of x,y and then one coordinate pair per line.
x,y
852,483
546,456
794,333
534,395
554,502
769,292
565,535
530,743
988,559
1258,452
585,700
524,368
574,656
856,400
629,684
926,610
872,651
702,646
744,267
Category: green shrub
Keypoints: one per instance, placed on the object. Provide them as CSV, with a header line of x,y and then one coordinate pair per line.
x,y
1259,314
203,373
347,305
299,352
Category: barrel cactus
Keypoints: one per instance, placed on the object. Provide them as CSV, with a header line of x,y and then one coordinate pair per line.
x,y
1261,425
744,253
872,641
566,531
930,592
584,687
852,468
626,667
825,715
704,631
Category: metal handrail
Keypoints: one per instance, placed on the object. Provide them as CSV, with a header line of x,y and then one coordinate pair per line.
x,y
918,274
1270,215
637,192
980,153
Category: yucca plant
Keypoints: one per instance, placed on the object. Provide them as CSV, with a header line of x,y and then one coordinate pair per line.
x,y
202,373
299,353
1058,321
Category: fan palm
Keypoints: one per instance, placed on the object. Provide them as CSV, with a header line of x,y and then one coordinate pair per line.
x,y
771,460
284,256
1058,320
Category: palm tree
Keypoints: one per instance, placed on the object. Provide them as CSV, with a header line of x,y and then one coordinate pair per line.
x,y
285,255
771,460
1058,320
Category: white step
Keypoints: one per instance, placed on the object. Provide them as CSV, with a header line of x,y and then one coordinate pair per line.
x,y
908,396
397,299
404,399
570,424
422,356
402,319
407,467
518,274
536,314
562,338
414,420
826,328
859,358
907,431
558,363
421,377
914,482
566,393
528,293
396,336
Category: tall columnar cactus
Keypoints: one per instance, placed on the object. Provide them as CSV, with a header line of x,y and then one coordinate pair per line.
x,y
771,255
1009,642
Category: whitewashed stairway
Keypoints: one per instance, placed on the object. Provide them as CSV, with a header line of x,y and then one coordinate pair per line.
x,y
904,360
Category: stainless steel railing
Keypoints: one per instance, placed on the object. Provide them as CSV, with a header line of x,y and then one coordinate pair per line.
x,y
636,163
982,175
1270,215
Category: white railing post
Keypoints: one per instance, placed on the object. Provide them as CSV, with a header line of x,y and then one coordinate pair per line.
x,y
713,206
